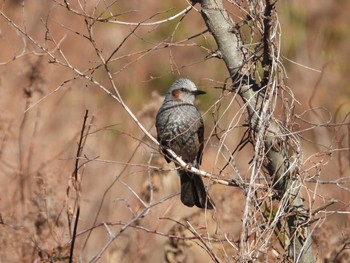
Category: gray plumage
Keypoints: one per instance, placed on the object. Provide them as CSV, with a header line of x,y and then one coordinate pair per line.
x,y
180,128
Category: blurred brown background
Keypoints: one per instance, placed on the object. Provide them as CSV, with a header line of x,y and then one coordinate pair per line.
x,y
38,146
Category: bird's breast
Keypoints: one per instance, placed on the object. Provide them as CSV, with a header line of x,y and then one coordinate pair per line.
x,y
177,128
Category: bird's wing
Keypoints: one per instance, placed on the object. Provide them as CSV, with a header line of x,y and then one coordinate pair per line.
x,y
163,143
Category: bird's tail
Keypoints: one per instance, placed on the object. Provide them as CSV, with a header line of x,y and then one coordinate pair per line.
x,y
193,191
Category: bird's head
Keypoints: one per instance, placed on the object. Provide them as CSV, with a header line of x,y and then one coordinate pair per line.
x,y
183,91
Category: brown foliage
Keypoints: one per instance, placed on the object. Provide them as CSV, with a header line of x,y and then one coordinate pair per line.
x,y
44,98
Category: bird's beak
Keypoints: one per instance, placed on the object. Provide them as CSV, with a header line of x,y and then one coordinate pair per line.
x,y
198,92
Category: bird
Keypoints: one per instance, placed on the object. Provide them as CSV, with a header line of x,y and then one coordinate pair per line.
x,y
180,128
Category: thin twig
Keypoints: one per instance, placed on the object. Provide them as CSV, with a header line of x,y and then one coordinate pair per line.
x,y
77,185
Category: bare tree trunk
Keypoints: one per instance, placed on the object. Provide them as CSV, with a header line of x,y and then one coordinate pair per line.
x,y
275,143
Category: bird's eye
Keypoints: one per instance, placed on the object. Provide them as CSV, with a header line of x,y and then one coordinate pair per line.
x,y
183,89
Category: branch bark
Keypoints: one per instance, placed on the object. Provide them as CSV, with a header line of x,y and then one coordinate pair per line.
x,y
275,144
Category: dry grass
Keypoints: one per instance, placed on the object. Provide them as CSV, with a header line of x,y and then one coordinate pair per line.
x,y
126,193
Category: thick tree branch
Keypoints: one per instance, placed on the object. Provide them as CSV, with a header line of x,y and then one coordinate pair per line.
x,y
261,123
